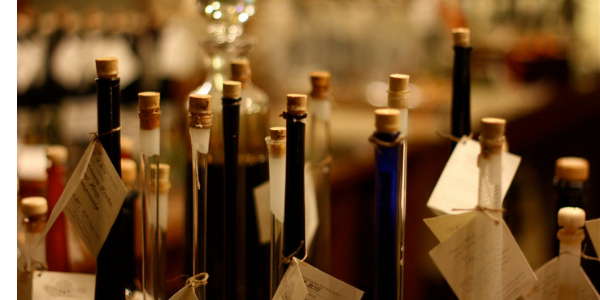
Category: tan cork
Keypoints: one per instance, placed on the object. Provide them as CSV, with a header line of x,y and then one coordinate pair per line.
x,y
572,168
149,110
107,67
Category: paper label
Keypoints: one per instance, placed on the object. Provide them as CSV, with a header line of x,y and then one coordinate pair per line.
x,y
546,287
458,187
444,226
302,281
455,258
92,198
593,230
62,286
186,293
263,211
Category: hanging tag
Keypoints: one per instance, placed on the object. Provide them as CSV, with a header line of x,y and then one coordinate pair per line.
x,y
444,226
303,281
593,229
454,258
263,211
92,198
457,186
546,286
61,286
186,293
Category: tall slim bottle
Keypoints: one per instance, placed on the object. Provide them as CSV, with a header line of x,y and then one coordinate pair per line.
x,y
461,84
56,238
319,159
34,221
489,248
276,143
160,185
389,145
294,237
254,126
129,176
109,275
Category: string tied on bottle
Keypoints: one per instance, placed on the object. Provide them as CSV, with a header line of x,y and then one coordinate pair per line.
x,y
296,117
583,255
288,259
487,211
197,280
98,135
399,139
450,137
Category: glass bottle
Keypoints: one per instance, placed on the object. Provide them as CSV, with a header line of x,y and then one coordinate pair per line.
x,y
461,84
56,238
34,221
571,233
570,181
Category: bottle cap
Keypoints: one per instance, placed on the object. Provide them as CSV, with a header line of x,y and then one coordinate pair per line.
x,y
571,217
107,67
148,100
57,154
240,70
320,78
232,89
34,206
461,37
398,82
572,168
128,170
296,103
387,120
200,103
492,128
278,133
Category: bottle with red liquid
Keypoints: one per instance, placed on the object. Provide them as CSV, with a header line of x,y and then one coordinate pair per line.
x,y
56,239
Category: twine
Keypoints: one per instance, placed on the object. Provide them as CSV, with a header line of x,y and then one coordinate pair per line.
x,y
373,139
197,280
450,137
288,259
286,116
96,135
485,210
36,265
583,255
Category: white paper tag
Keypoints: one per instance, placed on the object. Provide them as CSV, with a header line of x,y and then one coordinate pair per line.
x,y
186,293
457,186
444,226
546,287
92,198
593,229
62,286
302,281
263,212
454,258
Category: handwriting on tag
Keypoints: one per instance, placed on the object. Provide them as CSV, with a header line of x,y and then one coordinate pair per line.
x,y
92,198
546,287
455,258
59,285
593,229
457,186
444,226
302,281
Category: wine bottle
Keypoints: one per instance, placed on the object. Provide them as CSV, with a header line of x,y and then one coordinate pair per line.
x,y
461,84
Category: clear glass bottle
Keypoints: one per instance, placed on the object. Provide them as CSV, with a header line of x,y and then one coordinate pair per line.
x,y
34,221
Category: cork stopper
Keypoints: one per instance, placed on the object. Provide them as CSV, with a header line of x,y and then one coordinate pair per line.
x,y
387,120
240,70
200,103
572,168
320,78
34,206
571,217
398,82
128,171
232,89
296,104
57,154
107,67
277,133
162,174
149,110
461,37
492,128
148,100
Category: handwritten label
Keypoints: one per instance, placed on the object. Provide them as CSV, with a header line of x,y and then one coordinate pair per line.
x,y
462,260
444,226
92,198
457,186
546,287
593,229
62,286
303,281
